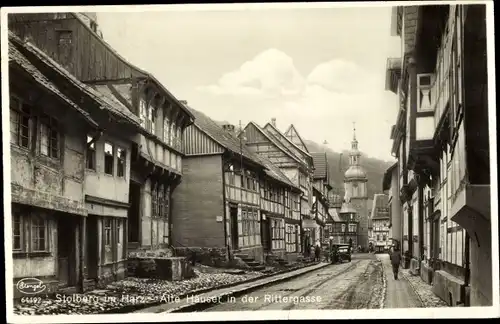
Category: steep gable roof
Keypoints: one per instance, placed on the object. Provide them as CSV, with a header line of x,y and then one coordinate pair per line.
x,y
222,137
293,133
320,165
141,71
274,172
20,60
105,102
282,137
379,201
276,142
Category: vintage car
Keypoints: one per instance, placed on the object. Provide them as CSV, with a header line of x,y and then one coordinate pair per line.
x,y
340,253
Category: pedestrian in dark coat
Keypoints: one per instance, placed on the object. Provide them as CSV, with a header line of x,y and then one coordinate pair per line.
x,y
317,252
395,261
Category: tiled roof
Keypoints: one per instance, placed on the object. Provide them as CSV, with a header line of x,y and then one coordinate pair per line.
x,y
277,142
291,129
274,172
222,137
149,75
100,98
40,78
282,137
379,201
334,215
320,165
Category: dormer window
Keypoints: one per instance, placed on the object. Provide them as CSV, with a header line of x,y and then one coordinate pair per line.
x,y
143,114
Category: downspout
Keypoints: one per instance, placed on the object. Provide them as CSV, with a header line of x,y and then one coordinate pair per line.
x,y
420,222
467,270
228,250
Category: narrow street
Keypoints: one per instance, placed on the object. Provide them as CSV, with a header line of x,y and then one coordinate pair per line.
x,y
354,285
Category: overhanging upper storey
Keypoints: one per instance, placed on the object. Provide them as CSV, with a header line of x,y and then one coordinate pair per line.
x,y
392,74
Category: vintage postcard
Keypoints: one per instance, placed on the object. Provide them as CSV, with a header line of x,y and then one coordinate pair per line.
x,y
250,161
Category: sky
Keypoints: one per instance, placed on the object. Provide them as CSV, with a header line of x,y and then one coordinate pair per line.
x,y
319,69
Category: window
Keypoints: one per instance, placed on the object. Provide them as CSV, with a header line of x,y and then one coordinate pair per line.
x,y
108,158
121,156
343,228
378,237
352,228
166,203
118,228
172,133
152,118
39,234
49,136
154,200
90,154
166,130
20,116
107,231
17,232
143,114
384,237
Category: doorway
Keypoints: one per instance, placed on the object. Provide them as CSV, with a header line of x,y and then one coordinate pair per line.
x,y
233,212
266,234
134,213
436,237
92,237
66,256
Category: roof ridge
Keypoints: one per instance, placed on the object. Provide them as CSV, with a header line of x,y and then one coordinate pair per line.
x,y
288,140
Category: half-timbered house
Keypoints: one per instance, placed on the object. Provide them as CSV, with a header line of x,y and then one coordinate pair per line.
x,y
280,213
47,162
218,201
74,41
442,144
269,142
321,187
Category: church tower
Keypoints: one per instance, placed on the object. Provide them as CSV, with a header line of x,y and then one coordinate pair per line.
x,y
356,193
355,177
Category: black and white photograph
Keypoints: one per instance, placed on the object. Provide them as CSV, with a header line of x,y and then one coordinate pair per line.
x,y
250,161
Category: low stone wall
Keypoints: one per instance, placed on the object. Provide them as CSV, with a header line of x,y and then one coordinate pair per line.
x,y
171,268
414,267
214,257
426,272
111,273
447,287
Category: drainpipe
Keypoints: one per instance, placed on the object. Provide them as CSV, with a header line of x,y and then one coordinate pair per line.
x,y
224,209
83,242
420,222
467,268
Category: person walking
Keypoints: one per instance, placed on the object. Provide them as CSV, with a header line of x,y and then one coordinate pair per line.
x,y
395,261
317,251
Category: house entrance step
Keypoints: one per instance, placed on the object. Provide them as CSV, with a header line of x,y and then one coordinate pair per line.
x,y
259,267
252,263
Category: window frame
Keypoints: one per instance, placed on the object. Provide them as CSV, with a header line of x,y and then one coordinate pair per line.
x,y
91,154
22,109
46,248
121,159
113,154
22,247
51,124
108,237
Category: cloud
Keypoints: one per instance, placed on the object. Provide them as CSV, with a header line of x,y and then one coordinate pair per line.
x,y
323,105
270,73
341,76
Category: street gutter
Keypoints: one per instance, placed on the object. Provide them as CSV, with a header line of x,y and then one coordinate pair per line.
x,y
199,306
142,308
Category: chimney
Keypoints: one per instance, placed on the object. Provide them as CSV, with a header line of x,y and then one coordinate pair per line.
x,y
228,128
273,122
184,102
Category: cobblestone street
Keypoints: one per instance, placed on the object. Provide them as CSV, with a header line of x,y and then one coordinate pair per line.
x,y
354,285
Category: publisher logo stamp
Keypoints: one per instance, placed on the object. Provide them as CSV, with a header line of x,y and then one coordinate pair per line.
x,y
31,286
